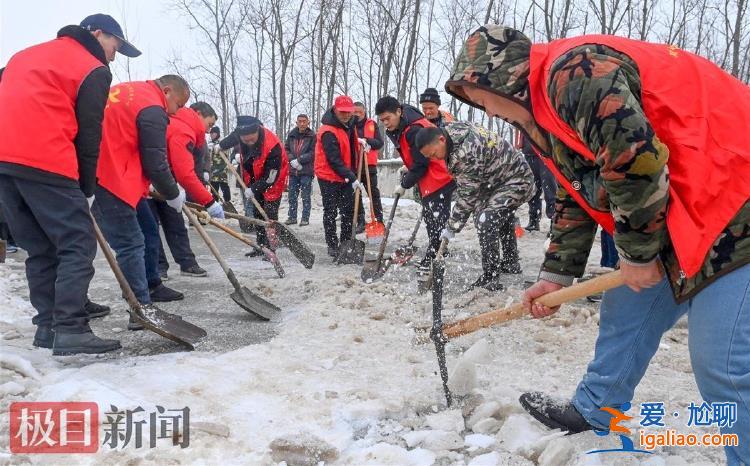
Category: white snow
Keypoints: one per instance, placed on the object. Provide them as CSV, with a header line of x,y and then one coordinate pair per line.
x,y
340,366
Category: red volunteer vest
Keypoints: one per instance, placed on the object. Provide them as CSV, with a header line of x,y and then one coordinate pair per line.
x,y
322,169
700,112
186,128
38,98
437,174
370,130
277,188
119,169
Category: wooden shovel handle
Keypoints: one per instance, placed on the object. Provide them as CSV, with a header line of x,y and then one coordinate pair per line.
x,y
556,298
254,221
232,233
243,185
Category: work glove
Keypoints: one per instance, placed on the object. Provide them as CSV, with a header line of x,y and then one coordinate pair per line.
x,y
90,200
358,185
399,191
177,202
365,146
215,210
203,217
249,194
402,171
206,177
447,234
295,164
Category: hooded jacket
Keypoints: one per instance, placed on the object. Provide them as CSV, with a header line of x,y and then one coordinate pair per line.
x,y
620,138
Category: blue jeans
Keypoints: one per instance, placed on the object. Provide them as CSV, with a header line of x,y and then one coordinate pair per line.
x,y
631,326
296,184
119,224
152,242
610,257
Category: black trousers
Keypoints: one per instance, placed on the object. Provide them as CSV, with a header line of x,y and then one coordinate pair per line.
x,y
338,198
223,187
53,225
545,184
176,235
496,229
377,205
272,210
437,210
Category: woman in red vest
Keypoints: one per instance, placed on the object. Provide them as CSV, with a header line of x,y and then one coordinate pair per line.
x,y
54,94
435,183
669,176
265,169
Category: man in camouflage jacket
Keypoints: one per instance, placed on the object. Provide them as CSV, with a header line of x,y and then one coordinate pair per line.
x,y
493,180
218,165
597,93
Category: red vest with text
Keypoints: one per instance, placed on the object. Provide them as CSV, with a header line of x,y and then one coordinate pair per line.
x,y
371,129
38,97
322,169
120,170
437,174
274,192
700,112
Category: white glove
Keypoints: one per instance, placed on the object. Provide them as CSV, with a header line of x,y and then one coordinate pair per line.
x,y
236,159
90,200
295,164
399,191
249,194
357,185
402,170
178,201
364,144
206,177
215,210
447,234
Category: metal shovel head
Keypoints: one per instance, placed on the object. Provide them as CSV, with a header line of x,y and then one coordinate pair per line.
x,y
373,270
375,231
170,326
403,254
254,304
229,207
351,252
299,249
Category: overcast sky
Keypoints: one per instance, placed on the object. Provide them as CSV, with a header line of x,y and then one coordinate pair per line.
x,y
151,25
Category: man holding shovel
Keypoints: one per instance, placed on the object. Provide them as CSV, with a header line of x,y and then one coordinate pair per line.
x,y
669,176
57,91
435,184
492,181
336,152
265,169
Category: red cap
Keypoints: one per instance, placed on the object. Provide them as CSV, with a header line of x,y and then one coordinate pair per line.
x,y
344,103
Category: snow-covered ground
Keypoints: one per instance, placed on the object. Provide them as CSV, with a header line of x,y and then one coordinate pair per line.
x,y
340,374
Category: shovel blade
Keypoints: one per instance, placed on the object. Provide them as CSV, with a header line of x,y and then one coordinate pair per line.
x,y
254,304
403,254
229,207
351,252
295,245
170,326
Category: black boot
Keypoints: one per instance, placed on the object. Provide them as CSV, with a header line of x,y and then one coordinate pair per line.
x,y
533,224
96,310
333,251
553,413
510,263
489,282
162,294
87,342
254,253
44,336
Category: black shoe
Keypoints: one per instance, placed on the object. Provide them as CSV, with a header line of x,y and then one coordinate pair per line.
x,y
44,337
532,226
162,294
75,343
333,252
133,324
304,223
254,253
193,271
495,284
553,413
290,221
96,310
511,269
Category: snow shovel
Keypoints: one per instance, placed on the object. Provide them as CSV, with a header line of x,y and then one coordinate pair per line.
x,y
245,298
374,230
227,206
556,298
352,251
403,254
276,231
168,325
375,268
424,283
270,255
436,335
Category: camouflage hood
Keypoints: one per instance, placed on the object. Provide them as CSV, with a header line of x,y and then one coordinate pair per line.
x,y
494,58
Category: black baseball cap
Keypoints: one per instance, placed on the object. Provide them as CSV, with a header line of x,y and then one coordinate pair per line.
x,y
108,24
